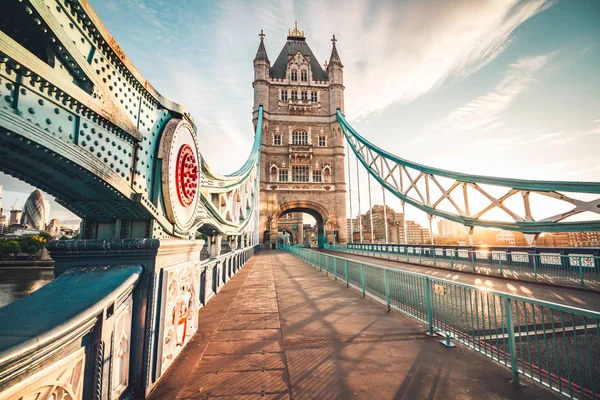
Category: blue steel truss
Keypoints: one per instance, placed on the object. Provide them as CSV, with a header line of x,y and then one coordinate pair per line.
x,y
413,183
80,122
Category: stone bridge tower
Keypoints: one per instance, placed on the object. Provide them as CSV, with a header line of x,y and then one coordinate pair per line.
x,y
302,161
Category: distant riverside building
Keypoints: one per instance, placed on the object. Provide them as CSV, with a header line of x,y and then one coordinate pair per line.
x,y
505,238
3,225
53,227
15,217
351,227
417,234
584,239
35,211
450,228
395,225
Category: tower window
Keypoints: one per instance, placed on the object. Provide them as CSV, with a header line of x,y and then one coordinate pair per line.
x,y
300,173
300,137
304,95
283,175
322,141
317,176
294,75
304,76
276,140
294,95
313,97
284,95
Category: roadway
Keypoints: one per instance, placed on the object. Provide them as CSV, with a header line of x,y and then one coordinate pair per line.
x,y
547,292
280,329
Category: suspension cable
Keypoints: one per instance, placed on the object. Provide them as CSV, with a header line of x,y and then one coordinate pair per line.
x,y
358,189
351,238
370,205
385,216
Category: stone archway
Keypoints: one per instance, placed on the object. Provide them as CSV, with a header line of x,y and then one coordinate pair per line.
x,y
317,211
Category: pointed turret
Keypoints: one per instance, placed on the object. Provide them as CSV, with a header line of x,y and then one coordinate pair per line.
x,y
335,57
335,74
261,54
261,75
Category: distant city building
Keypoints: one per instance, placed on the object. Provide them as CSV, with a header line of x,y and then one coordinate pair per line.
x,y
351,227
36,211
3,225
584,239
417,234
505,238
395,225
450,228
1,210
53,227
15,217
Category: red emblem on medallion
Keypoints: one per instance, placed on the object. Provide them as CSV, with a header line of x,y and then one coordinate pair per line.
x,y
186,175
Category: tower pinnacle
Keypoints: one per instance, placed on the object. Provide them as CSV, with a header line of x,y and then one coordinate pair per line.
x,y
261,54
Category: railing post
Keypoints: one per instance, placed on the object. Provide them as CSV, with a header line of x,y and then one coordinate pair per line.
x,y
420,255
452,259
362,278
500,263
434,263
346,268
387,290
512,347
334,269
473,260
429,307
580,271
534,266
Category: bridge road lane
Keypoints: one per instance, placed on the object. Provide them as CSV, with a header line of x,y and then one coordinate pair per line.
x,y
555,294
291,332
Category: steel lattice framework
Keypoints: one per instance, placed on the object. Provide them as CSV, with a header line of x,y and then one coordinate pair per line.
x,y
80,122
429,188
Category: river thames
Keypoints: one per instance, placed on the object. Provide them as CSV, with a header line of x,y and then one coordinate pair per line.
x,y
17,282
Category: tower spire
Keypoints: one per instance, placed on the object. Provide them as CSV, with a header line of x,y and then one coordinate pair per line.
x,y
335,57
261,54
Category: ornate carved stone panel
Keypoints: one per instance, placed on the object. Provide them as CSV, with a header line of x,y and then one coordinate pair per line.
x,y
121,349
62,380
179,311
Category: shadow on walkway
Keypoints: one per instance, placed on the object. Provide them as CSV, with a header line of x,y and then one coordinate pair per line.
x,y
282,330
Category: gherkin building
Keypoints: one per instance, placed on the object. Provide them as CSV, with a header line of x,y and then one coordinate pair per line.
x,y
35,211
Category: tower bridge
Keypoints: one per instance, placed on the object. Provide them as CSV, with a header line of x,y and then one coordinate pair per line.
x,y
134,295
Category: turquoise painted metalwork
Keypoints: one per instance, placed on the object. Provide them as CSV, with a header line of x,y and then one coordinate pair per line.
x,y
549,343
382,165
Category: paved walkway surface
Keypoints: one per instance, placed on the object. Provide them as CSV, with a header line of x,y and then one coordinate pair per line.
x,y
282,330
557,294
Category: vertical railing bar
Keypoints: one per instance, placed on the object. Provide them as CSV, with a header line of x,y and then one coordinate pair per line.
x,y
542,309
578,361
511,342
562,323
556,353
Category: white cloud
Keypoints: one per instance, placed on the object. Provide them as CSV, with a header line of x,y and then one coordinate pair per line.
x,y
485,111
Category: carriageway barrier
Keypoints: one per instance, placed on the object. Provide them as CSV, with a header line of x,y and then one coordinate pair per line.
x,y
109,330
557,346
564,266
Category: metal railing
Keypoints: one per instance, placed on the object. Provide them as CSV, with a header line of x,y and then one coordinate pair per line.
x,y
555,345
574,267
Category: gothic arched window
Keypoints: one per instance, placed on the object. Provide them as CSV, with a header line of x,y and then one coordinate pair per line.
x,y
304,75
294,75
300,137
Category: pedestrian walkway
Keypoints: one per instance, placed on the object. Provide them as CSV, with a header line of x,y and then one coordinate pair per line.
x,y
280,329
574,297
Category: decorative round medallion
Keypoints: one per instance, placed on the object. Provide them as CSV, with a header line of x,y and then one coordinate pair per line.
x,y
180,174
186,177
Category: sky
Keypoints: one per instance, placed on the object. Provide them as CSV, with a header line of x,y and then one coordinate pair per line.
x,y
502,88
